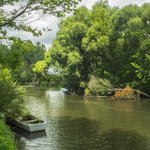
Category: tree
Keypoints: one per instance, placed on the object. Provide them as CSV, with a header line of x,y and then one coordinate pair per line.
x,y
125,34
67,54
22,12
142,57
96,41
79,46
27,55
4,56
34,55
11,57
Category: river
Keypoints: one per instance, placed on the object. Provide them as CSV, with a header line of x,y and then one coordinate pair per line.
x,y
76,123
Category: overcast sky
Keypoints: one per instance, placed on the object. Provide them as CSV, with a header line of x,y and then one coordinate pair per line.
x,y
51,22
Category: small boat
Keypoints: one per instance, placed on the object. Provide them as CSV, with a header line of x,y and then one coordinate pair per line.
x,y
31,124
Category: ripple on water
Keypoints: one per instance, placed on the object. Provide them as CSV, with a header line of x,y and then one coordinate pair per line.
x,y
76,124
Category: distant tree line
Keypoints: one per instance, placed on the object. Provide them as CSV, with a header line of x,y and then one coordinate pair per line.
x,y
20,57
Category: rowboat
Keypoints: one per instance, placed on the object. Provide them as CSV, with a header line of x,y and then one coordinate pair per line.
x,y
32,124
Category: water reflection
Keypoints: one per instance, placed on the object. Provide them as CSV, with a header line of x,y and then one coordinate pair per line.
x,y
28,135
55,98
21,142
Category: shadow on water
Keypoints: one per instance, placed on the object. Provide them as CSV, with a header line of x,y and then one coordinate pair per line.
x,y
85,134
119,139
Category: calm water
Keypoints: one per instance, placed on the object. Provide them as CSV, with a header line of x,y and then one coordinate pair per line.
x,y
75,123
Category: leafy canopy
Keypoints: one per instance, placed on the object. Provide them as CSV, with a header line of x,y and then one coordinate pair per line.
x,y
106,42
17,14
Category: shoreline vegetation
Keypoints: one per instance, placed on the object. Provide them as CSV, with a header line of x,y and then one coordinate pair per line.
x,y
122,94
102,89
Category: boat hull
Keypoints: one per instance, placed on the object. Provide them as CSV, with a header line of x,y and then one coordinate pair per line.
x,y
29,127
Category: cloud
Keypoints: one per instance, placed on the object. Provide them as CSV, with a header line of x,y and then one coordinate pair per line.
x,y
122,3
46,38
88,3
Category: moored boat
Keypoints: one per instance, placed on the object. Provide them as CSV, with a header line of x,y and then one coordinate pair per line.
x,y
32,124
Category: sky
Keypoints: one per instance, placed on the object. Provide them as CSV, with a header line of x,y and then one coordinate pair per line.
x,y
52,22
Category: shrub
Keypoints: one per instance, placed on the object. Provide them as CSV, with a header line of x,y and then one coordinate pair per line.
x,y
11,96
6,137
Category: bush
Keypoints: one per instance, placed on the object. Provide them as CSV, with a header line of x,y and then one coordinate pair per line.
x,y
6,137
11,96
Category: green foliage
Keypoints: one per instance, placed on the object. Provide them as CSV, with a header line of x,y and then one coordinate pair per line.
x,y
109,43
67,54
8,18
34,55
27,55
11,57
11,96
40,67
44,83
6,137
87,91
126,36
79,46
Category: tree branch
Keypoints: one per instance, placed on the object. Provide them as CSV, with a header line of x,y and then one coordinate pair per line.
x,y
15,16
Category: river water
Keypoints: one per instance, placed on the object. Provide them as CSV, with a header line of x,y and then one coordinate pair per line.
x,y
76,123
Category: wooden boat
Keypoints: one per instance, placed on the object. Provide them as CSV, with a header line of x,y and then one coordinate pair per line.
x,y
31,124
